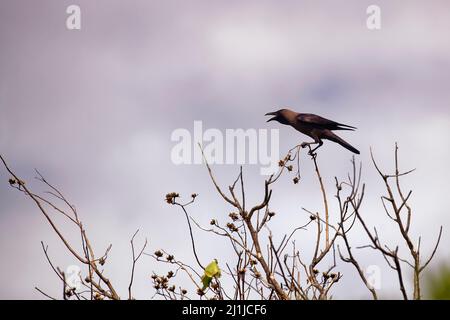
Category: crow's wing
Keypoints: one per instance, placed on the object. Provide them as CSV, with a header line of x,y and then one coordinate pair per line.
x,y
318,121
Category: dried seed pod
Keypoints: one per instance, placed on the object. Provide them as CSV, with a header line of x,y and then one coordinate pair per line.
x,y
234,216
200,292
170,197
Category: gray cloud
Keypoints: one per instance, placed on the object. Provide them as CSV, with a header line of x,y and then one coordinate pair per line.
x,y
94,110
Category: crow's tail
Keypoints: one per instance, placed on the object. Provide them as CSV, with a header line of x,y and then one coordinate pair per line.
x,y
331,136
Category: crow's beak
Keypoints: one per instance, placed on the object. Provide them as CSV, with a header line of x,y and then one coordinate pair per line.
x,y
271,114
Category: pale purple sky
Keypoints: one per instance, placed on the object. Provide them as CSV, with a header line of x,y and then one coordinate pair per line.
x,y
94,109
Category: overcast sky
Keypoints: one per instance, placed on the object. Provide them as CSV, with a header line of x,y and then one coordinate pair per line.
x,y
94,110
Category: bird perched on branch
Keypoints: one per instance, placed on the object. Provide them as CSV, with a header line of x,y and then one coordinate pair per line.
x,y
212,270
313,126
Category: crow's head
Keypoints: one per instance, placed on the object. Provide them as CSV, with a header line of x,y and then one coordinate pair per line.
x,y
279,116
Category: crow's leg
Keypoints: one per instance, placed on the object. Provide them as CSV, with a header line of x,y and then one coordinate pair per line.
x,y
305,144
316,141
319,144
